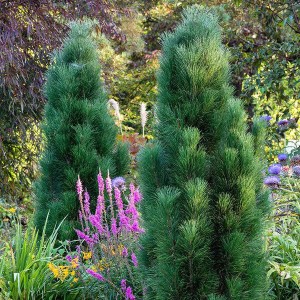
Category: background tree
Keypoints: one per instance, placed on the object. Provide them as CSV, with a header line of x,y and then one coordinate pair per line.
x,y
203,206
80,134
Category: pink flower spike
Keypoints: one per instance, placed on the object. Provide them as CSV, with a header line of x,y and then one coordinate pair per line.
x,y
87,203
100,208
96,222
134,259
128,294
84,237
100,183
95,275
79,186
118,199
108,184
123,285
131,209
137,196
135,227
124,222
95,237
124,252
114,229
132,188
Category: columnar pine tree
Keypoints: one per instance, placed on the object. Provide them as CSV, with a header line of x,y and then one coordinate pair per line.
x,y
204,203
80,134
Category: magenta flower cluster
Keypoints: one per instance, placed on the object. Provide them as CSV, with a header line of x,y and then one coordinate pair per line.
x,y
127,290
115,220
95,275
124,217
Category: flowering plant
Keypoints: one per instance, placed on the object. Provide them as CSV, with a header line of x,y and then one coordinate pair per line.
x,y
30,267
281,134
283,236
106,255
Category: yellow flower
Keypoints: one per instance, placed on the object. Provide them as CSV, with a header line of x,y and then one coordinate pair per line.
x,y
120,249
60,272
54,270
112,250
103,264
74,263
12,210
64,272
75,279
72,273
87,255
101,268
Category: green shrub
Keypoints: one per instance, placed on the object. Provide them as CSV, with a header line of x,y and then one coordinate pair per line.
x,y
80,133
204,204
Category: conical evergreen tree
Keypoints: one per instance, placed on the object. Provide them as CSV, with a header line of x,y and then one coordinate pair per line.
x,y
204,202
80,134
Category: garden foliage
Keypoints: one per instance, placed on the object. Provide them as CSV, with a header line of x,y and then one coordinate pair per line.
x,y
24,272
80,134
204,203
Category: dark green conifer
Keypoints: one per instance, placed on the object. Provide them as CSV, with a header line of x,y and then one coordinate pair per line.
x,y
80,134
204,203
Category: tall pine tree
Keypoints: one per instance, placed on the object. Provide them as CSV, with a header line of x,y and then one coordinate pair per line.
x,y
204,202
80,134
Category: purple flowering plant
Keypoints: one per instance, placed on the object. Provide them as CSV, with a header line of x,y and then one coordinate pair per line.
x,y
109,238
281,134
281,170
285,124
283,177
283,233
296,171
282,157
266,118
275,169
272,181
